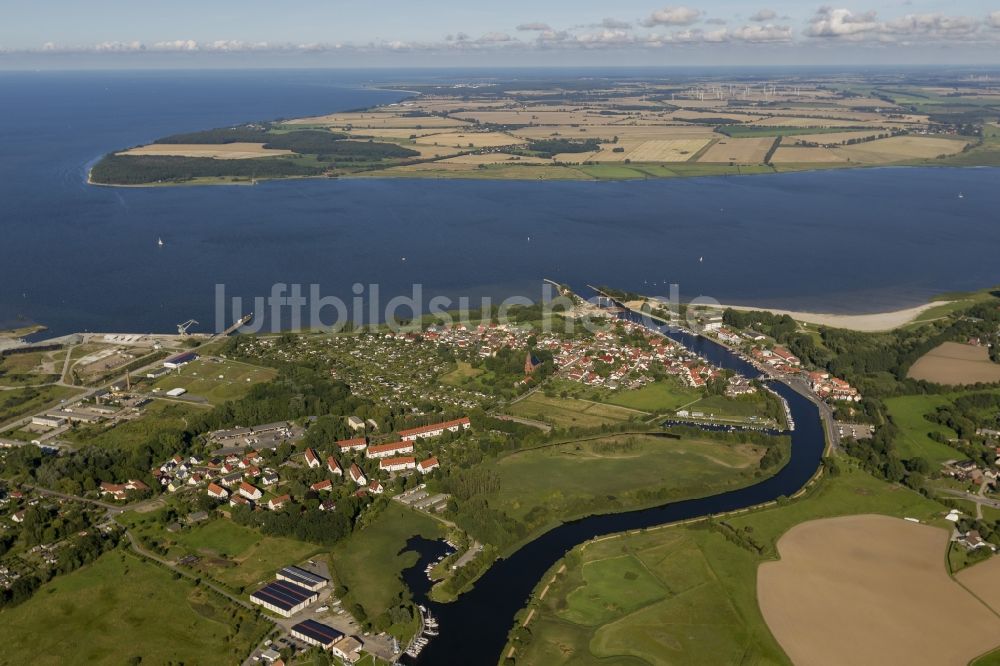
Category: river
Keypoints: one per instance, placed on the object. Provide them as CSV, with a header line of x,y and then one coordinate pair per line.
x,y
473,629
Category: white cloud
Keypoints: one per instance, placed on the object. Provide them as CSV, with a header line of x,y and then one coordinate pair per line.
x,y
764,15
673,16
495,38
994,20
119,47
831,22
715,21
176,45
533,27
763,33
615,24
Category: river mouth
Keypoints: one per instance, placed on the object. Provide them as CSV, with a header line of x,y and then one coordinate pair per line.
x,y
473,628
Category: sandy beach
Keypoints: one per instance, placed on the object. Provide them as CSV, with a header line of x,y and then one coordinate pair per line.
x,y
867,323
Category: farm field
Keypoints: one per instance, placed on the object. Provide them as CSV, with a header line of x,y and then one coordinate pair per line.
x,y
740,151
236,556
894,569
953,363
805,155
570,412
121,607
215,380
984,579
469,139
370,561
900,148
227,151
611,473
602,609
659,150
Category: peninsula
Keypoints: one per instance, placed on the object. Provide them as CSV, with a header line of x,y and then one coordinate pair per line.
x,y
596,128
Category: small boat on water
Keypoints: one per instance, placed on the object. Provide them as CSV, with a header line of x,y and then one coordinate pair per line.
x,y
159,242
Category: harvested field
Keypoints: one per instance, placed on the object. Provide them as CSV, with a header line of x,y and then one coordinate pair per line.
x,y
464,139
794,121
830,137
225,151
377,120
607,131
661,150
952,363
427,152
800,155
984,579
531,117
740,151
899,148
494,158
879,581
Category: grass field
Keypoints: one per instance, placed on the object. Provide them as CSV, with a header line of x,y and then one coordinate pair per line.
x,y
462,373
370,562
157,417
702,607
120,607
661,396
31,368
570,412
236,556
216,380
613,473
21,401
907,413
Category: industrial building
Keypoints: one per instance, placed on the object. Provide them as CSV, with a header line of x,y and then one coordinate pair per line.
x,y
284,598
307,579
316,634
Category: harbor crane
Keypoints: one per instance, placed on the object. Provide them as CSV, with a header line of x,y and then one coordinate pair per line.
x,y
182,329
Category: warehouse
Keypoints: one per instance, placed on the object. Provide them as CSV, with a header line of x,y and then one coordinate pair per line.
x,y
179,360
303,578
316,634
284,598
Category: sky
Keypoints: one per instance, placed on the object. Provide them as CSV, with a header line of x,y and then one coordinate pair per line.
x,y
426,33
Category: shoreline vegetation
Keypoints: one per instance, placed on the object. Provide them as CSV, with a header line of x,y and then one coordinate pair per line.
x,y
594,129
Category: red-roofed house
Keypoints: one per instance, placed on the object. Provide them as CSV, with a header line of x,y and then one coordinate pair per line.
x,y
375,488
321,486
250,491
387,450
217,491
333,466
357,476
435,429
276,503
397,464
356,444
312,459
429,465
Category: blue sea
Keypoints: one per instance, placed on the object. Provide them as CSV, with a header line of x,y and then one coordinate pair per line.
x,y
78,257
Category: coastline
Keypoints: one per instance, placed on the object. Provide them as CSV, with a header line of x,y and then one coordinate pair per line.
x,y
874,322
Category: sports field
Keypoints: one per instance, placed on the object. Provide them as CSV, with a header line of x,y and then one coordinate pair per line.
x,y
880,580
121,607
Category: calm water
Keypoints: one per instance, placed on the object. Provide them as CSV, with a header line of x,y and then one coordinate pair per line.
x,y
77,257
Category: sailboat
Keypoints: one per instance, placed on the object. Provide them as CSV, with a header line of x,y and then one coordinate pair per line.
x,y
961,196
159,242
